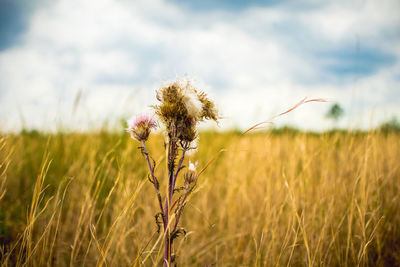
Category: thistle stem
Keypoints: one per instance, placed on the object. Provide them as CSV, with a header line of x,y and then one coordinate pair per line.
x,y
180,210
155,182
179,166
171,171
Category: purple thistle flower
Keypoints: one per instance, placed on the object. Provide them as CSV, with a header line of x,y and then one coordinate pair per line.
x,y
141,126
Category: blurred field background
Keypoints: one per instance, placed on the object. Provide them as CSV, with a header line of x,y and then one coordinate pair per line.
x,y
274,198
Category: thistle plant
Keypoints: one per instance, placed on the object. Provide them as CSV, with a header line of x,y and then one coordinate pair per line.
x,y
181,108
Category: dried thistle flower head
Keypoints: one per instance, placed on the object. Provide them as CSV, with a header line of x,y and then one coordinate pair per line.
x,y
191,174
141,126
181,107
209,110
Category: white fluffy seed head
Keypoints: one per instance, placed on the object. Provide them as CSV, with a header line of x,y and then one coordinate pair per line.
x,y
192,102
192,167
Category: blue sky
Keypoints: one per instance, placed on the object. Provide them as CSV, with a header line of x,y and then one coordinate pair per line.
x,y
255,58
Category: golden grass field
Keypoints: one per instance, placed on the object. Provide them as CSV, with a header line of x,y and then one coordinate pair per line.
x,y
287,199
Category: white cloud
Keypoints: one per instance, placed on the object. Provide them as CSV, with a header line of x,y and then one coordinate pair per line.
x,y
118,52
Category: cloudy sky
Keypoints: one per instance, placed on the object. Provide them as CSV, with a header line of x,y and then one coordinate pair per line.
x,y
255,58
